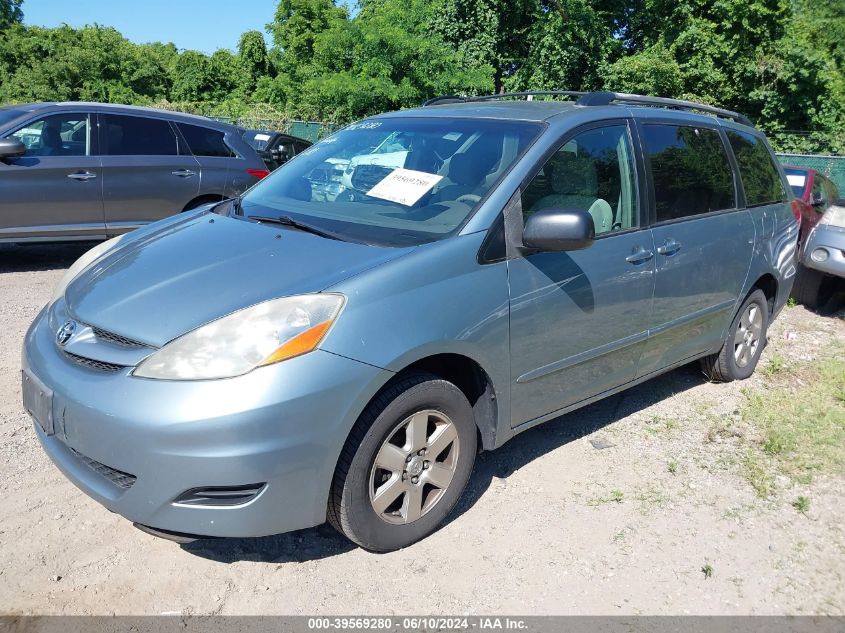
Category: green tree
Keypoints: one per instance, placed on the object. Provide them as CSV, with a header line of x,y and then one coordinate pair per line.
x,y
297,24
10,13
254,64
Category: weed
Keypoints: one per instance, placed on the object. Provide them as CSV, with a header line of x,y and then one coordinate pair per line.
x,y
707,570
673,467
615,496
802,504
776,365
791,302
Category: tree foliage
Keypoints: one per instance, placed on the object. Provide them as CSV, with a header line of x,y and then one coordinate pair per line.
x,y
779,61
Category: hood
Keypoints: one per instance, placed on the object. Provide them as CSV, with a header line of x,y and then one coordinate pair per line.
x,y
164,283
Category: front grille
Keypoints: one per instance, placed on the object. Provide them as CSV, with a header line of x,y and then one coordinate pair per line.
x,y
117,339
97,365
117,477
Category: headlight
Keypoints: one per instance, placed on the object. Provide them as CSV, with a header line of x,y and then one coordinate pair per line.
x,y
834,216
233,345
81,264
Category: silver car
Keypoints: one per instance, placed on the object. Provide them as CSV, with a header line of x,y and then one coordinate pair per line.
x,y
284,359
91,170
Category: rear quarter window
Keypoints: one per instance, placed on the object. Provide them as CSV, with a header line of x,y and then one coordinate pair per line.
x,y
760,177
690,171
204,141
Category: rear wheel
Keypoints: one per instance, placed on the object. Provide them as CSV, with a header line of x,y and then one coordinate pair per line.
x,y
744,343
404,465
812,288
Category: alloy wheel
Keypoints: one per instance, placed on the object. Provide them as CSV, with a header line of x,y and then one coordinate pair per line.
x,y
414,466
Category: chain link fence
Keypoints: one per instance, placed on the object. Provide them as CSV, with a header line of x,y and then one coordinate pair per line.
x,y
260,116
831,166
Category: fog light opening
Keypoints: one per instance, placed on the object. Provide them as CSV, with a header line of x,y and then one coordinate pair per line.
x,y
220,496
820,255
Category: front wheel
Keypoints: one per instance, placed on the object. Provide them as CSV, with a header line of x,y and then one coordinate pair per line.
x,y
744,343
405,464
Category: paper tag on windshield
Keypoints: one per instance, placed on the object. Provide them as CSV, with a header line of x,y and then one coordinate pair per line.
x,y
796,180
404,186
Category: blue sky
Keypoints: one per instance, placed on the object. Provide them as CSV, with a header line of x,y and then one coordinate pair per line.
x,y
204,25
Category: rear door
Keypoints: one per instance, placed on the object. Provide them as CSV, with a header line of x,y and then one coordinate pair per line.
x,y
703,241
145,178
579,319
55,189
214,157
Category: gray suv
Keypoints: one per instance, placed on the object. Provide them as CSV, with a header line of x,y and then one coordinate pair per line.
x,y
285,358
91,170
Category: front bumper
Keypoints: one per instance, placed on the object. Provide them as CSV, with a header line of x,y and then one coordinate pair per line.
x,y
832,240
283,425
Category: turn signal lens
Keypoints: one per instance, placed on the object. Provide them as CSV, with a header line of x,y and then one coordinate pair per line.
x,y
300,344
258,173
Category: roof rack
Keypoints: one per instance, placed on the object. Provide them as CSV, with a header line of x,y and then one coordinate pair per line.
x,y
504,95
602,99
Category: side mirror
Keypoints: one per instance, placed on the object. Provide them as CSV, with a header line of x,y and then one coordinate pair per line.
x,y
11,148
817,200
559,230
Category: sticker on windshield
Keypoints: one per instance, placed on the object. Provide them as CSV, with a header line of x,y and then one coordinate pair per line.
x,y
404,186
796,180
262,137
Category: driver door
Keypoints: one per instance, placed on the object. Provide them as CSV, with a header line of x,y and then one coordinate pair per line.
x,y
55,189
579,319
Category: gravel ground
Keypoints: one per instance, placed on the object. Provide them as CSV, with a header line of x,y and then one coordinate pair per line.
x,y
659,520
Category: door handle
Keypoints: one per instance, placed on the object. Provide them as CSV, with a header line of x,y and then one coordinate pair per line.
x,y
183,173
82,175
639,256
669,247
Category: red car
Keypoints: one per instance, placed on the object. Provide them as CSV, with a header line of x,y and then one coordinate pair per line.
x,y
814,194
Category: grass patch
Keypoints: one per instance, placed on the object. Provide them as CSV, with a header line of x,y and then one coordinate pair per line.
x,y
651,498
673,467
791,302
707,570
800,416
659,424
776,365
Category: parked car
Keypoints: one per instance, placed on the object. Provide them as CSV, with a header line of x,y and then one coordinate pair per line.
x,y
282,359
820,243
91,170
275,148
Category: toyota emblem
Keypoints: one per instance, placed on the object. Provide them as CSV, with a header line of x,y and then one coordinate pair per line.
x,y
66,332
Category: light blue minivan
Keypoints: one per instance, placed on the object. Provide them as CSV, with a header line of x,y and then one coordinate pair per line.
x,y
342,340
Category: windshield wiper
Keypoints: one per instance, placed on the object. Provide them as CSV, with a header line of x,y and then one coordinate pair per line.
x,y
286,220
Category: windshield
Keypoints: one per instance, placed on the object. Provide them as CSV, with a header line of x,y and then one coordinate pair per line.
x,y
393,182
797,179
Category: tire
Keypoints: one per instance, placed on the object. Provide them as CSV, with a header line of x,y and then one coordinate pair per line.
x,y
383,509
743,344
812,288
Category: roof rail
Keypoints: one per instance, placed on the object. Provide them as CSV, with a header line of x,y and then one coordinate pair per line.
x,y
606,98
504,95
600,99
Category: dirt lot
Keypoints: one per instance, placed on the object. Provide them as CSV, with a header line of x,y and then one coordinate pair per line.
x,y
705,499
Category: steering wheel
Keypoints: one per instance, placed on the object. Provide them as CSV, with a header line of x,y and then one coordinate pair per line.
x,y
468,198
